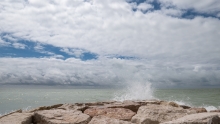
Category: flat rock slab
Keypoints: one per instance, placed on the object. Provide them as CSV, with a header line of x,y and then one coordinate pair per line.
x,y
106,120
117,113
200,118
17,118
155,114
58,116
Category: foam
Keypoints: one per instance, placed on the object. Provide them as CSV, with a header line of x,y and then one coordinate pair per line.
x,y
138,91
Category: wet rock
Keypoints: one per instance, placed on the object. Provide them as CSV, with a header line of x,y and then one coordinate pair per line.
x,y
58,116
106,120
117,113
145,102
17,118
155,114
185,107
199,110
199,118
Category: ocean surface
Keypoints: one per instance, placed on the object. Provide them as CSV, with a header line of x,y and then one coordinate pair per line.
x,y
27,97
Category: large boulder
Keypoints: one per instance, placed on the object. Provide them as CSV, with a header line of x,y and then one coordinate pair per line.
x,y
17,118
155,114
128,104
58,116
117,113
199,110
77,106
106,120
199,118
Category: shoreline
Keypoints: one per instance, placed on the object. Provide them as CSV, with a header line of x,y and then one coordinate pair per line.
x,y
114,112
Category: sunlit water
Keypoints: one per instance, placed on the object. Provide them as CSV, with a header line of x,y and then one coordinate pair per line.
x,y
28,97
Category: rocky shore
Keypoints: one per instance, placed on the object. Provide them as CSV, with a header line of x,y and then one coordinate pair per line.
x,y
114,112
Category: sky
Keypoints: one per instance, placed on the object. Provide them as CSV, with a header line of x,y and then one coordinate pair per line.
x,y
165,43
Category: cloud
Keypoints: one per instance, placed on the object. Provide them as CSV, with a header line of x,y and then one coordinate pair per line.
x,y
105,71
144,6
3,43
76,52
113,28
200,6
19,45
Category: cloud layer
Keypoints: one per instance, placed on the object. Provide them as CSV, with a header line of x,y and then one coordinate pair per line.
x,y
168,42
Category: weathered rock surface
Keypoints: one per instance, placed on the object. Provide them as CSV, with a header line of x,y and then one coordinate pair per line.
x,y
215,111
17,118
106,120
61,117
200,118
46,108
199,110
114,112
80,107
117,113
155,114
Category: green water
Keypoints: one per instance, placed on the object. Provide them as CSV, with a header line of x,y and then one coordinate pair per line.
x,y
209,98
28,97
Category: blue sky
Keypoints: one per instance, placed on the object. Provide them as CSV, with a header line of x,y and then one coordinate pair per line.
x,y
167,43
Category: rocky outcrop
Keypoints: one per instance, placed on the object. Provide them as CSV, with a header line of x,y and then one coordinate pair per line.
x,y
114,112
199,110
17,118
106,120
200,118
61,117
117,113
155,114
215,111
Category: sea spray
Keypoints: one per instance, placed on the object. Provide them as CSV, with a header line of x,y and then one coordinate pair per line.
x,y
136,91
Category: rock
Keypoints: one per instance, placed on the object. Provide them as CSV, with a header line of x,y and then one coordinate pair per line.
x,y
169,103
185,107
58,116
106,120
17,118
199,118
155,114
199,110
46,108
18,111
145,102
80,107
117,113
215,110
126,104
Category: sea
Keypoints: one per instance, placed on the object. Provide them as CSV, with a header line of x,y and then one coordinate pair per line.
x,y
27,97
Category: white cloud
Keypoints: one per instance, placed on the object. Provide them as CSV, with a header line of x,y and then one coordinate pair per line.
x,y
3,43
111,27
207,6
75,52
38,47
105,72
144,6
19,45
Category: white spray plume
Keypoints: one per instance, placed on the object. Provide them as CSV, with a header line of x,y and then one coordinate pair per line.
x,y
136,91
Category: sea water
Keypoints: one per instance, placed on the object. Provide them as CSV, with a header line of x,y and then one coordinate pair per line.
x,y
32,96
